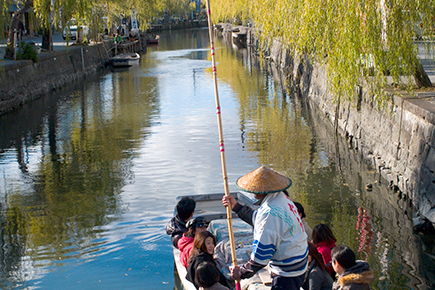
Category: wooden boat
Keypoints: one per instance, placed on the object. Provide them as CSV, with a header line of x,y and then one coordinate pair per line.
x,y
210,207
154,40
125,59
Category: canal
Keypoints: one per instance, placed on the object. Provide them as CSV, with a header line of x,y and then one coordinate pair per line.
x,y
89,175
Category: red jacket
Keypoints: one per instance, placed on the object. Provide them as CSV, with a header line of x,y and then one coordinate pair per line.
x,y
185,245
324,249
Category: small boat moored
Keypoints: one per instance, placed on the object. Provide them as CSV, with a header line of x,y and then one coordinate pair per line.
x,y
125,59
154,40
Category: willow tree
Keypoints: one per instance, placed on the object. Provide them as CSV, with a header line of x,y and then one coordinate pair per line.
x,y
358,42
146,9
3,17
15,24
57,14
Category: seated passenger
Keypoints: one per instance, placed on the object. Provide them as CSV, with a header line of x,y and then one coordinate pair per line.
x,y
202,252
353,275
324,240
207,277
317,276
177,225
307,228
185,243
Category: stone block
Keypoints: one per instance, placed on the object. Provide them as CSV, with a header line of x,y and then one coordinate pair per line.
x,y
430,159
430,215
418,151
430,135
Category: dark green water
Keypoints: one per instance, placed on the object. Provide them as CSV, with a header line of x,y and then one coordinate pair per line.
x,y
88,177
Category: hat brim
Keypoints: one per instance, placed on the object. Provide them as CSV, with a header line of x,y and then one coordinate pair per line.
x,y
263,181
264,192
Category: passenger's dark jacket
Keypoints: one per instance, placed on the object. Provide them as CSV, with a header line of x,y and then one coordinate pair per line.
x,y
193,265
175,228
316,278
357,277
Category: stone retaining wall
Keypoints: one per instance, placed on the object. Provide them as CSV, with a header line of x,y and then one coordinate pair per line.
x,y
398,140
22,81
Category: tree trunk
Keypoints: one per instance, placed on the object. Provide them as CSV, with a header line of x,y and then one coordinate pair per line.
x,y
16,25
421,77
47,39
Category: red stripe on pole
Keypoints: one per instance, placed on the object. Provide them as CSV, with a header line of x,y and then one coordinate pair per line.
x,y
222,147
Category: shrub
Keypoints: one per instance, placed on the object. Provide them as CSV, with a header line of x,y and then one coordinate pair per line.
x,y
27,51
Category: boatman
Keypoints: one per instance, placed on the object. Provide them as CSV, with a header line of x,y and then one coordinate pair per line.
x,y
279,236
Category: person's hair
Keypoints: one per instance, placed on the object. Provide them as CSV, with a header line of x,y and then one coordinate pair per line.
x,y
206,274
190,232
193,224
322,233
344,256
317,257
300,208
185,207
199,244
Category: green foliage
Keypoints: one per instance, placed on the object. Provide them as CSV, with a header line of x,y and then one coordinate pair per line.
x,y
96,14
27,51
4,17
358,42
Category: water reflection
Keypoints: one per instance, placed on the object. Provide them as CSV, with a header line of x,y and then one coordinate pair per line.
x,y
286,134
84,144
88,177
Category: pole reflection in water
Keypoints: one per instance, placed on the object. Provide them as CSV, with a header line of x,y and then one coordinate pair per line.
x,y
89,177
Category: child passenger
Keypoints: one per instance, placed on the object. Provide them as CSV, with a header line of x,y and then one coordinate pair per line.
x,y
177,225
317,276
207,277
353,275
324,240
185,243
202,251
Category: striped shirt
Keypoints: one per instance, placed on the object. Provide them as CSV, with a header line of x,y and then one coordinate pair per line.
x,y
279,237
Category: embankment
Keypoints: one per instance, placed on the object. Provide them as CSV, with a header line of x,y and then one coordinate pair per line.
x,y
398,139
23,81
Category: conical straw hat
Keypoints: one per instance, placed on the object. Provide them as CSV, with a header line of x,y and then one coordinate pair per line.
x,y
263,180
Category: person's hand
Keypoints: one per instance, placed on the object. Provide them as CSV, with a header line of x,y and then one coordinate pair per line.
x,y
236,273
229,199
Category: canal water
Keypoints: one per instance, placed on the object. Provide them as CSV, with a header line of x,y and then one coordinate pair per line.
x,y
89,175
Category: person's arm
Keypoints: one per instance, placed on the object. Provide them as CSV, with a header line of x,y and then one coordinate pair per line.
x,y
245,271
244,212
175,237
174,230
170,227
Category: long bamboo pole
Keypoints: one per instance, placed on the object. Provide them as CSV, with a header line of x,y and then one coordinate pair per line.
x,y
221,143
